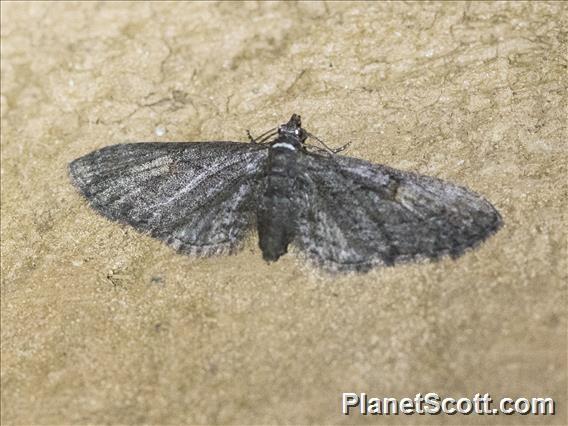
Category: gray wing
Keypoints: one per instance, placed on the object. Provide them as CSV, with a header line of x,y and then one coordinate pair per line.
x,y
363,215
199,197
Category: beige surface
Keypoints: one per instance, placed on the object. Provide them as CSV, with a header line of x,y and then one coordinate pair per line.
x,y
103,325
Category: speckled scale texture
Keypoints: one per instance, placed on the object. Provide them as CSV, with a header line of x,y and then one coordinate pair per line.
x,y
197,197
363,215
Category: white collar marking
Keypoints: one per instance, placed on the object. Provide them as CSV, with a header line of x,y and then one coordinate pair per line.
x,y
284,145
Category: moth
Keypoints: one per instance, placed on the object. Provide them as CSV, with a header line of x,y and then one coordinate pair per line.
x,y
340,213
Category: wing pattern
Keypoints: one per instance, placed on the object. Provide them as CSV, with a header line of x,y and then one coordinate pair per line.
x,y
198,197
363,215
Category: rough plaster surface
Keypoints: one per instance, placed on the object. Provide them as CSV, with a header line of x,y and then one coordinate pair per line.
x,y
103,325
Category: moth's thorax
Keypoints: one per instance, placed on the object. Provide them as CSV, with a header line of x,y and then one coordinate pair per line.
x,y
282,156
288,142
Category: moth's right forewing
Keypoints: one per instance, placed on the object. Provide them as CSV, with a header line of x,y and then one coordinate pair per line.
x,y
176,191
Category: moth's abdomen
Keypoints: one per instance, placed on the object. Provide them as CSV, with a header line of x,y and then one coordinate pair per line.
x,y
277,216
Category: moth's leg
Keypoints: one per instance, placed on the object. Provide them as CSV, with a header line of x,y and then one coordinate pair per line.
x,y
341,148
262,138
267,137
316,149
327,148
251,139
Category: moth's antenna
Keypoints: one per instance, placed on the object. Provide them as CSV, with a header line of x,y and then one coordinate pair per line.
x,y
330,150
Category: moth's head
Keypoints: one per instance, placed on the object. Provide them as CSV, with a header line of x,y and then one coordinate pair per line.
x,y
293,128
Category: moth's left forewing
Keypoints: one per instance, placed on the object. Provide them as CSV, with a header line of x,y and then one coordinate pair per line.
x,y
375,215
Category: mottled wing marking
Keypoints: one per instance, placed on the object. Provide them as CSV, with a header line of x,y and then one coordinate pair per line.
x,y
362,215
200,198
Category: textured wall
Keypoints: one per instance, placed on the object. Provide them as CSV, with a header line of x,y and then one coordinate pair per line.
x,y
103,325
